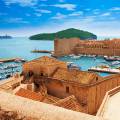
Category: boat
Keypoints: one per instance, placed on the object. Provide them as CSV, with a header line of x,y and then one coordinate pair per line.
x,y
1,63
115,63
76,56
74,66
112,58
71,55
1,77
18,60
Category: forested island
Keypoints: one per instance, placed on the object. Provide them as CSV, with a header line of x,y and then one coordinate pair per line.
x,y
68,33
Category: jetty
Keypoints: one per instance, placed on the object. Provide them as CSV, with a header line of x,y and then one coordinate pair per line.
x,y
105,70
11,60
42,51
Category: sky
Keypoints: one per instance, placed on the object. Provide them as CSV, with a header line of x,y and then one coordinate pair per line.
x,y
28,17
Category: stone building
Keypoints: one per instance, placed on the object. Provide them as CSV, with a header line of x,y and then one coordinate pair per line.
x,y
43,66
89,47
60,82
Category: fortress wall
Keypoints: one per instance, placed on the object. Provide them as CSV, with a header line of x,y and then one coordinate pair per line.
x,y
40,111
97,51
65,46
68,46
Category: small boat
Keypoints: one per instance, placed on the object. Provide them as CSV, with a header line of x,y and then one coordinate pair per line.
x,y
111,58
18,60
1,77
69,63
1,63
115,63
73,66
71,55
76,56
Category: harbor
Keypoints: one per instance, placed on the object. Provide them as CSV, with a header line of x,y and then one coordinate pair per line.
x,y
9,67
86,62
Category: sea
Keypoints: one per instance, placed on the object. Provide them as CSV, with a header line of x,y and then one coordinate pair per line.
x,y
21,47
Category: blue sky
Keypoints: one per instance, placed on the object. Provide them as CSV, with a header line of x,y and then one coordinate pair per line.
x,y
27,17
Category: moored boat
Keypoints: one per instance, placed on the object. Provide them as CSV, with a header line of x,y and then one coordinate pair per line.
x,y
111,58
115,63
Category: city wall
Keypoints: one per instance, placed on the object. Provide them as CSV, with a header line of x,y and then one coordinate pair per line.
x,y
63,47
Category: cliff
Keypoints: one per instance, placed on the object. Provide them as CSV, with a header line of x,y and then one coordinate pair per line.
x,y
68,33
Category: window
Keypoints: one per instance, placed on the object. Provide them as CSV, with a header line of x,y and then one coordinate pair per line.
x,y
41,74
30,74
67,89
96,78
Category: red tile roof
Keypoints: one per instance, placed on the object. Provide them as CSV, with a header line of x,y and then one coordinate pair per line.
x,y
70,103
29,94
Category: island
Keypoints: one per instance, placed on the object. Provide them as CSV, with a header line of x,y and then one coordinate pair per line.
x,y
5,37
68,33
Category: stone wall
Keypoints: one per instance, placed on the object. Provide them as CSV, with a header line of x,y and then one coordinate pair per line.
x,y
90,47
43,70
65,46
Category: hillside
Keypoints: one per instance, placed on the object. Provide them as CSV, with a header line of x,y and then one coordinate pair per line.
x,y
68,33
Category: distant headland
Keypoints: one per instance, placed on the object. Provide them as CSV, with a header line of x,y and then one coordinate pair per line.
x,y
68,33
5,37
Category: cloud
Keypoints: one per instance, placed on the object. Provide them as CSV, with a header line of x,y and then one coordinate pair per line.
x,y
59,16
43,11
105,14
21,2
65,6
87,9
16,20
78,13
115,9
61,0
38,14
96,11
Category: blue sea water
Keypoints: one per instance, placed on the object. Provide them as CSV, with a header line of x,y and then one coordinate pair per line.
x,y
22,47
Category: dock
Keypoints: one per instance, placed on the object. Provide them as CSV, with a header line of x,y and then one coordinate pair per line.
x,y
11,60
42,51
105,70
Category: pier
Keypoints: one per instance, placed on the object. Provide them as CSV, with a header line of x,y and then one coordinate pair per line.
x,y
12,60
42,51
106,70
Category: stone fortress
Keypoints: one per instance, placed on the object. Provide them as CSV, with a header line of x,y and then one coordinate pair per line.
x,y
48,89
88,47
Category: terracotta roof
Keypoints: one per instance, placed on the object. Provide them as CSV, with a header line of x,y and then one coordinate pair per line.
x,y
70,103
29,94
82,77
50,99
45,60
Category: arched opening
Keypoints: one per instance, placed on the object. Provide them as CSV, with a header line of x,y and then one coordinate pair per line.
x,y
41,74
96,78
37,87
30,73
67,89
